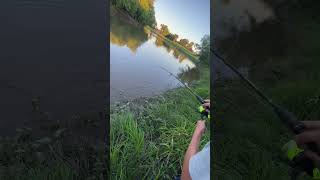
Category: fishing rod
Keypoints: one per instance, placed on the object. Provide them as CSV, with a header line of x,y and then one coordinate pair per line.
x,y
203,111
199,98
300,161
284,115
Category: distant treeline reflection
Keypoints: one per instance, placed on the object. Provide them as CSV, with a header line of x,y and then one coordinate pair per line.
x,y
123,32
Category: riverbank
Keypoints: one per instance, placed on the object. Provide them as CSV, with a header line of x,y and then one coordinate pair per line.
x,y
150,136
249,125
190,54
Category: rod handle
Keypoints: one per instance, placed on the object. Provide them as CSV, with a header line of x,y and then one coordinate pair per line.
x,y
200,99
296,126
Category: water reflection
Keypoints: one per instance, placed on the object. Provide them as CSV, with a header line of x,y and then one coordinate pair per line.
x,y
125,33
136,55
188,75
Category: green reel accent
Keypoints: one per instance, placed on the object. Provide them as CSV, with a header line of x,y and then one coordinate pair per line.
x,y
202,111
291,149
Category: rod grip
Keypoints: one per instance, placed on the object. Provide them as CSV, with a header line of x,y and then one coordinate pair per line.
x,y
296,126
200,99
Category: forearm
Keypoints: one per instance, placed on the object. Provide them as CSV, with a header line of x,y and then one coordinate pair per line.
x,y
192,150
194,144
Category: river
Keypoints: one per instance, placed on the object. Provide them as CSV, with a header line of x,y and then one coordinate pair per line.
x,y
138,58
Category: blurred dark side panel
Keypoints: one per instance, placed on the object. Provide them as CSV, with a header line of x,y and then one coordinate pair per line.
x,y
53,62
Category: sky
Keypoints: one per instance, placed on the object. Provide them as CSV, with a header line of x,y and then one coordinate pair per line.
x,y
189,19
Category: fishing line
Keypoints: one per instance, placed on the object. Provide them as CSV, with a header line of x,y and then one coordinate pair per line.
x,y
302,163
185,85
248,82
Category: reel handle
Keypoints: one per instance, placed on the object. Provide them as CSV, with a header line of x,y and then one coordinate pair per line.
x,y
300,163
295,125
204,112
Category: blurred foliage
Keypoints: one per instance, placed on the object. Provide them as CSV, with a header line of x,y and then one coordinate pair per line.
x,y
204,49
140,10
124,33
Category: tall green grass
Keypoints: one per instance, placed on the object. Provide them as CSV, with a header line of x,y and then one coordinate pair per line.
x,y
150,136
248,141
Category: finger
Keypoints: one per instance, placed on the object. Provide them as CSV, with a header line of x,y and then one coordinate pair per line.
x,y
307,137
205,105
314,156
312,124
207,100
200,122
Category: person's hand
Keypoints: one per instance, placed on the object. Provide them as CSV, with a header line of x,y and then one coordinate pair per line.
x,y
206,104
200,127
311,134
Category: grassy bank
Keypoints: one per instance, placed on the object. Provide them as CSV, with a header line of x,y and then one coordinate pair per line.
x,y
150,136
248,142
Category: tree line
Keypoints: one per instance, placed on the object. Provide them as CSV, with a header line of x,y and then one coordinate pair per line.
x,y
140,10
203,49
164,31
143,12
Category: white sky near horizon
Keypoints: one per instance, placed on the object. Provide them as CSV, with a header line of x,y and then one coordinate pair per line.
x,y
189,19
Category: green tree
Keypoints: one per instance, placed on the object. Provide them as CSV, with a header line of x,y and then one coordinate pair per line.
x,y
190,46
164,30
126,34
141,10
159,41
205,48
197,47
132,8
184,42
175,37
172,37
